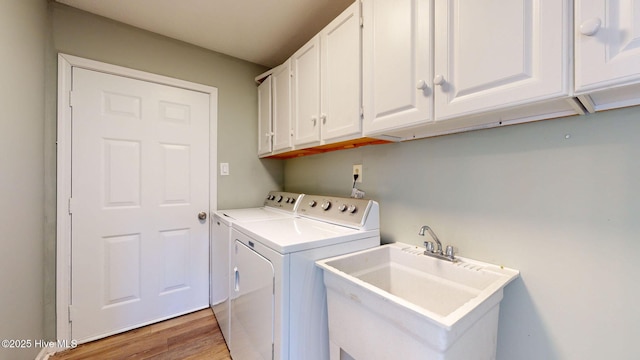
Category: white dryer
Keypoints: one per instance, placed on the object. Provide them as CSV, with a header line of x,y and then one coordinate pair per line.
x,y
278,299
277,205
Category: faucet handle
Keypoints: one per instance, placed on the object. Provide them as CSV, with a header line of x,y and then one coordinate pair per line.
x,y
429,246
449,251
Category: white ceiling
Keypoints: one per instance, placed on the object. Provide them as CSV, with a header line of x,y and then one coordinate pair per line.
x,y
265,32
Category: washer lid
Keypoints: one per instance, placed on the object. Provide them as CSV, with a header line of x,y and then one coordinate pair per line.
x,y
298,234
253,214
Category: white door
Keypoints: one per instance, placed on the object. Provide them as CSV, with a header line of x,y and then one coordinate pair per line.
x,y
397,86
252,305
500,53
140,176
340,68
265,118
306,93
607,43
281,86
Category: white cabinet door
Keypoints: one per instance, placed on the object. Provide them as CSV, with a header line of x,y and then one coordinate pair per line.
x,y
306,93
396,64
340,69
607,43
495,54
264,117
281,102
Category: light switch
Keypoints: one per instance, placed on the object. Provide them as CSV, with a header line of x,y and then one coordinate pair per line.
x,y
224,169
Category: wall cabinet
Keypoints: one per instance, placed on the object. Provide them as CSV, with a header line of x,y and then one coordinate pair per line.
x,y
281,102
397,64
607,53
315,96
437,67
326,83
477,80
306,93
492,55
265,119
341,80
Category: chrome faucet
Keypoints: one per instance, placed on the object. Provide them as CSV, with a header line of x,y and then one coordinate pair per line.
x,y
437,252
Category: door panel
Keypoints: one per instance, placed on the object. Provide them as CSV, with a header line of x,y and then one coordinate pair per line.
x,y
306,93
340,69
396,64
475,73
140,176
281,86
265,132
252,306
611,54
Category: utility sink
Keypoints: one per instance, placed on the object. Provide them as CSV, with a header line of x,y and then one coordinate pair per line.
x,y
394,302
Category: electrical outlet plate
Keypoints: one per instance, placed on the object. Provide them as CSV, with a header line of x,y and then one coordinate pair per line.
x,y
357,169
224,169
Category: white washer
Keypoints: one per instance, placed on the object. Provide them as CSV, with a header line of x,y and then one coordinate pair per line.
x,y
277,205
278,299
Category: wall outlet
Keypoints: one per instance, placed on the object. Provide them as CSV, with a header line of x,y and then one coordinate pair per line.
x,y
357,170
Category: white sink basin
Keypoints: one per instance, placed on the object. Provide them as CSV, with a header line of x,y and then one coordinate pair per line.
x,y
396,291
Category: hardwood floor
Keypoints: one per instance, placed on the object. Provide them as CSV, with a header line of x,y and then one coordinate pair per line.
x,y
192,336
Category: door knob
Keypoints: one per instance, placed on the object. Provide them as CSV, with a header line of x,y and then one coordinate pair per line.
x,y
202,215
590,27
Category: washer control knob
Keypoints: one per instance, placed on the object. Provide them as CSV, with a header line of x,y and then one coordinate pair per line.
x,y
270,197
287,199
279,198
352,209
312,203
326,205
342,208
292,200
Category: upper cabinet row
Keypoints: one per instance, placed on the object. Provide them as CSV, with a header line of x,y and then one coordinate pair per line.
x,y
432,67
315,94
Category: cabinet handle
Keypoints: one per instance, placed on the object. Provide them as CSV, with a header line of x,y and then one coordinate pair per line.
x,y
438,80
314,120
590,27
421,85
324,118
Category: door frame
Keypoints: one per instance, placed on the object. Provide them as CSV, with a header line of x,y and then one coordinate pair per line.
x,y
66,63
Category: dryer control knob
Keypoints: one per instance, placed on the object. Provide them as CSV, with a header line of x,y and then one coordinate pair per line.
x,y
342,208
326,205
352,209
287,199
279,198
292,200
313,203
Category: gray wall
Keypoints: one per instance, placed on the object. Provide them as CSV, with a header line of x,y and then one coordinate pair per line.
x,y
563,211
22,99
